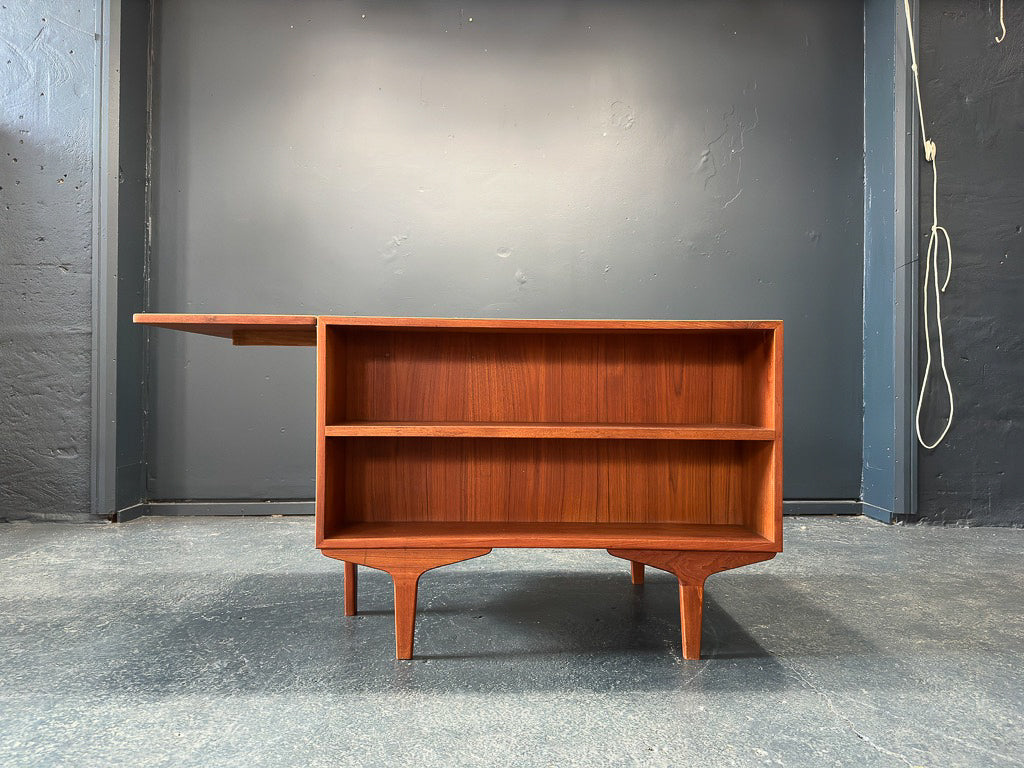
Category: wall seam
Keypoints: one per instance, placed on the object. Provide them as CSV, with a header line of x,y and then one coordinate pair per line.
x,y
103,458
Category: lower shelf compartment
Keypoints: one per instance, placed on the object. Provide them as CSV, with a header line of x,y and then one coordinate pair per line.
x,y
689,536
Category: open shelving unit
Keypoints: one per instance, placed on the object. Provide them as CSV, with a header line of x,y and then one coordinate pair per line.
x,y
439,439
549,433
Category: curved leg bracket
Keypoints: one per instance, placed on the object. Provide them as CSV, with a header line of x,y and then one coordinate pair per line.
x,y
405,566
691,568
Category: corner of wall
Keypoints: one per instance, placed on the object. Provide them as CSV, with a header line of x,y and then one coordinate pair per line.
x,y
888,473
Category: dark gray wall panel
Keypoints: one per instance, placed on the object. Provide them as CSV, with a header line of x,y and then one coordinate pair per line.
x,y
133,137
890,265
879,234
974,104
46,226
548,159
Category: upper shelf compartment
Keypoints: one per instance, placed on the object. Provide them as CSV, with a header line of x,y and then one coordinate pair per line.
x,y
494,378
243,330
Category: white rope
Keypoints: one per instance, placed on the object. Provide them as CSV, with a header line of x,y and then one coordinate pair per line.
x,y
931,269
1002,23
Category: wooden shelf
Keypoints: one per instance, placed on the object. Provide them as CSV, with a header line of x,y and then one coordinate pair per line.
x,y
566,430
673,536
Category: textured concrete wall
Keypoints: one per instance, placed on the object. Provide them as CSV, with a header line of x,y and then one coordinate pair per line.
x,y
974,105
46,151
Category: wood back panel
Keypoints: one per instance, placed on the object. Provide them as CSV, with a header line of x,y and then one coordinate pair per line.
x,y
538,480
649,378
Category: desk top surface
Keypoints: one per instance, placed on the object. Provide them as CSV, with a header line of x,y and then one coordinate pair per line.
x,y
301,329
224,325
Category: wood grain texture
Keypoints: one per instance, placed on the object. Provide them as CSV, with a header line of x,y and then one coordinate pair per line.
x,y
636,573
541,480
551,324
327,489
351,589
691,619
257,337
681,536
769,524
273,330
405,566
692,570
677,378
564,430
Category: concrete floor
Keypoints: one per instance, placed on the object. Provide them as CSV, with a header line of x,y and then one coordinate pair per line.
x,y
220,642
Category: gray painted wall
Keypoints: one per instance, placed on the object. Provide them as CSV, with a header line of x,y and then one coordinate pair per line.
x,y
879,247
974,103
132,254
46,230
546,159
890,268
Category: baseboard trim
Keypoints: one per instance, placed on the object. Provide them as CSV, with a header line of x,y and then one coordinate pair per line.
x,y
253,508
881,514
128,514
262,507
822,507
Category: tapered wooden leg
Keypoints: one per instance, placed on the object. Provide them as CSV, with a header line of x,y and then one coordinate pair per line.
x,y
636,572
405,566
692,569
405,613
691,609
351,588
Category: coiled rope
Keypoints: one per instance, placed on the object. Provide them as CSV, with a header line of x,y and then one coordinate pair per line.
x,y
931,269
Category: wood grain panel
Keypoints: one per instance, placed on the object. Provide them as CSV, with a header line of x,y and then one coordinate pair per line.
x,y
668,536
324,506
667,378
758,479
269,330
757,380
526,480
565,430
727,472
550,325
290,337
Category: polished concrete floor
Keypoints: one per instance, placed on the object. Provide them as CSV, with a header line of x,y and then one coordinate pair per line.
x,y
221,642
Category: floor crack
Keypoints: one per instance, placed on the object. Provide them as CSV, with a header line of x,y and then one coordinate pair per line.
x,y
846,721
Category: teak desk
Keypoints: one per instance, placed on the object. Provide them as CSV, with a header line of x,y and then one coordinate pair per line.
x,y
438,439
